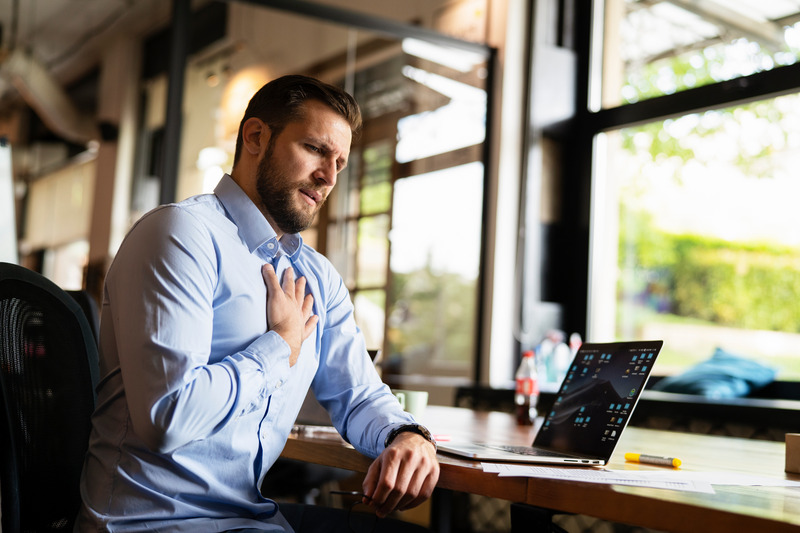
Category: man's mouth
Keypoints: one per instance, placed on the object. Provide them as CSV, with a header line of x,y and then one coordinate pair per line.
x,y
312,197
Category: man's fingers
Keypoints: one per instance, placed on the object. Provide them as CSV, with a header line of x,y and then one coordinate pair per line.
x,y
423,491
270,278
288,284
311,323
371,479
403,476
411,496
300,290
288,281
382,487
289,309
308,305
310,318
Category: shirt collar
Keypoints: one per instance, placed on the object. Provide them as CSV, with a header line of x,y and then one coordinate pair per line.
x,y
253,227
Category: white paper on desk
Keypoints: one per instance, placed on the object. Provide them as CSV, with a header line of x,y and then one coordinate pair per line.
x,y
721,478
595,475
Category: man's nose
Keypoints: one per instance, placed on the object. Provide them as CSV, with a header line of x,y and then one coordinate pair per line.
x,y
327,172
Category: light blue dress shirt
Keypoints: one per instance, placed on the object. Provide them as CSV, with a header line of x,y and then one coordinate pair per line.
x,y
196,398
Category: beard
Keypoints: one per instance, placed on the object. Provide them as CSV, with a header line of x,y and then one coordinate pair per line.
x,y
277,192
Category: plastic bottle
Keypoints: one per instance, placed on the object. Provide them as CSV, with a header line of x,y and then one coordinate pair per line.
x,y
527,390
575,342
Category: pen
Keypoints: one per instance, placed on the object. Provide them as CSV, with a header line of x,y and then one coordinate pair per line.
x,y
653,459
351,493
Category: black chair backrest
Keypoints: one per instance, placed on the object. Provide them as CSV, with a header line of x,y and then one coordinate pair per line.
x,y
90,311
48,372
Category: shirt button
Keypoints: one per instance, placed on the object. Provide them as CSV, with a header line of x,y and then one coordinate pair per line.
x,y
270,245
278,385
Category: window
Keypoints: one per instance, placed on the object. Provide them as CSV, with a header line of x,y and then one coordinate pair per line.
x,y
404,224
693,219
655,48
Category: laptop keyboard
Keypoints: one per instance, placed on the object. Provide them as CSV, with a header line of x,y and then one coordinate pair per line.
x,y
527,450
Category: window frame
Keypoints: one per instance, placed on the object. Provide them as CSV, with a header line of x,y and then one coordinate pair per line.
x,y
571,253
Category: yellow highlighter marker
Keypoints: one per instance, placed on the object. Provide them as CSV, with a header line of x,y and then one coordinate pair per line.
x,y
653,459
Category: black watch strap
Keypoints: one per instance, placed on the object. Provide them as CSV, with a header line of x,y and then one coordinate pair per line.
x,y
413,428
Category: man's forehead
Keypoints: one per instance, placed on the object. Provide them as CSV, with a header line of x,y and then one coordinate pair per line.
x,y
328,126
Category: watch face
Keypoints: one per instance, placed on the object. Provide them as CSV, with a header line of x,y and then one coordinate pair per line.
x,y
425,433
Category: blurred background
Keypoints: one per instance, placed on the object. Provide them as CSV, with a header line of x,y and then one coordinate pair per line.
x,y
617,169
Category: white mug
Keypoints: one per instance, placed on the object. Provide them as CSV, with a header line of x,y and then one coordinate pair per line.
x,y
412,401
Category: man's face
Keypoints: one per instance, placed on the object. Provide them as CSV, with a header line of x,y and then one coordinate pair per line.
x,y
300,165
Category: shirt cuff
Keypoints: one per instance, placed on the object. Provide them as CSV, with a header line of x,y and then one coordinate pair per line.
x,y
271,353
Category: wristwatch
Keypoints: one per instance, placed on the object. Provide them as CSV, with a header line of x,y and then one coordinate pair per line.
x,y
413,428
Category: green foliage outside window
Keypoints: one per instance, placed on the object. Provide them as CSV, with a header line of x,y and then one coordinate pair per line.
x,y
428,316
749,285
744,285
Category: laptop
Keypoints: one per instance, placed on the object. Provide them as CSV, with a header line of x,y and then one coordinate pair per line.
x,y
591,409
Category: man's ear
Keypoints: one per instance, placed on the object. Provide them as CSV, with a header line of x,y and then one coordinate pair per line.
x,y
255,135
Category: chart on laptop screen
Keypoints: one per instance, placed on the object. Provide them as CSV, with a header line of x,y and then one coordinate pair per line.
x,y
597,397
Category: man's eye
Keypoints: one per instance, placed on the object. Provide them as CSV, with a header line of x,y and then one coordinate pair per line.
x,y
313,148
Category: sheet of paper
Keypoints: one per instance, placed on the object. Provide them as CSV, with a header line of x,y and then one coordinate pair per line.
x,y
666,479
609,477
722,478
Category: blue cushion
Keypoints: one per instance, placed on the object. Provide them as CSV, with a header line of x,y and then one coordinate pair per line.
x,y
724,375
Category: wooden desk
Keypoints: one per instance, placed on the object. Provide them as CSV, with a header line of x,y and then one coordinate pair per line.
x,y
731,508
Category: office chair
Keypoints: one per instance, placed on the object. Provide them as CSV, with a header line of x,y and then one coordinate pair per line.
x,y
48,370
90,310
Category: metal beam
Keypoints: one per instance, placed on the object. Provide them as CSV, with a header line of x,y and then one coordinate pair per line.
x,y
179,46
384,26
762,85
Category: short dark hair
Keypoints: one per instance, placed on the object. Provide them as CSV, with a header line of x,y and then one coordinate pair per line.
x,y
280,102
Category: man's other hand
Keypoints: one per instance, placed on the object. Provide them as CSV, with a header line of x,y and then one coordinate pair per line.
x,y
289,309
403,476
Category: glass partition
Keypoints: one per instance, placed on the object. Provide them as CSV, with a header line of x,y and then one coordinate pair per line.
x,y
407,225
403,225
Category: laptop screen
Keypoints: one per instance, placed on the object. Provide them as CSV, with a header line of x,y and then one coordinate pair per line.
x,y
597,397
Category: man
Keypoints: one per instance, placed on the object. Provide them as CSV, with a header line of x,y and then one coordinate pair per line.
x,y
217,319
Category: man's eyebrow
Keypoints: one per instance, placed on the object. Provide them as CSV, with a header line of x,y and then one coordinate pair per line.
x,y
320,142
326,147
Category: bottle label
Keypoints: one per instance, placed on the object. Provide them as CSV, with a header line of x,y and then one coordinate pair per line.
x,y
527,386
